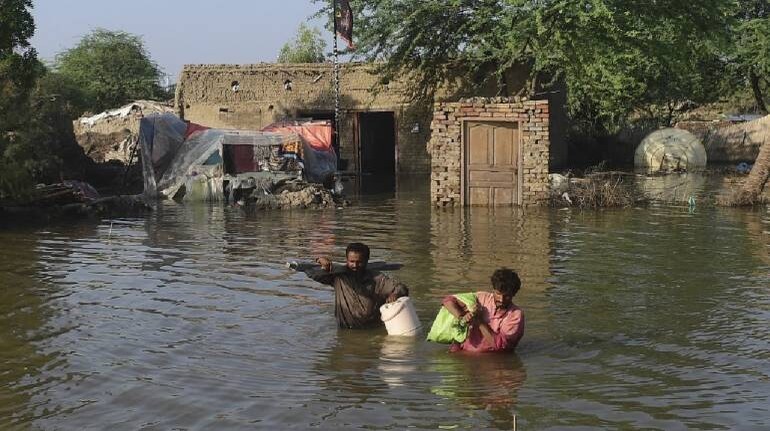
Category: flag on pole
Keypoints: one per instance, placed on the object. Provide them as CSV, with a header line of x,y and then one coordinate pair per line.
x,y
343,21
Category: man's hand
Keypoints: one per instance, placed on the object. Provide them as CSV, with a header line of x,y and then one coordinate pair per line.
x,y
471,317
468,317
325,263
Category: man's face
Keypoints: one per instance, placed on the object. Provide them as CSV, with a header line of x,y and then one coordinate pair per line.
x,y
355,262
502,300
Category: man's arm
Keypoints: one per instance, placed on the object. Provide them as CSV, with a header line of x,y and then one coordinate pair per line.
x,y
490,336
323,275
508,335
457,309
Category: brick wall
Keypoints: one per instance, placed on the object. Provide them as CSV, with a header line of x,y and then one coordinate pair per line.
x,y
445,145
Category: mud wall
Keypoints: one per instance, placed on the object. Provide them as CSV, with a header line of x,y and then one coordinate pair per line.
x,y
111,135
253,96
730,142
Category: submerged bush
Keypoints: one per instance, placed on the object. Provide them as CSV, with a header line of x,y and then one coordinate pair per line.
x,y
598,190
738,197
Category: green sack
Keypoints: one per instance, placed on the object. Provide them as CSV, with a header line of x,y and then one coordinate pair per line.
x,y
447,328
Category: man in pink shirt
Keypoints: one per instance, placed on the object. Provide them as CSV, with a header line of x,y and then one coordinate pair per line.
x,y
497,324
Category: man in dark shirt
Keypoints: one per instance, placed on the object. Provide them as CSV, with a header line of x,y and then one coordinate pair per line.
x,y
358,291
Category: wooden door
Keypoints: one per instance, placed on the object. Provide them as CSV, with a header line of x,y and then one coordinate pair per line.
x,y
491,163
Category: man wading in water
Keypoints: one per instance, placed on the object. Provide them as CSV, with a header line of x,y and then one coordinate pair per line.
x,y
358,292
497,324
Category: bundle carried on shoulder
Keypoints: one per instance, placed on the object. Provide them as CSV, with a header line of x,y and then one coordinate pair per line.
x,y
448,328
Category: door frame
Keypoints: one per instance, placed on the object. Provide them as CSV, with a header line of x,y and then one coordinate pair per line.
x,y
357,141
464,150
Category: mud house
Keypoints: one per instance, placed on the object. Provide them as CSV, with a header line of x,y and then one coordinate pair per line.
x,y
380,131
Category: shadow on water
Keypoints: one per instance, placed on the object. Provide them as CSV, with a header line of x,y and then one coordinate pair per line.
x,y
370,185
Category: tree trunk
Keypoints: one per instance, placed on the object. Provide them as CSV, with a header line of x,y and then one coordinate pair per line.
x,y
754,79
755,183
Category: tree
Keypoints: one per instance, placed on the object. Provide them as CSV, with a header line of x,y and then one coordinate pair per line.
x,y
18,63
18,70
36,139
614,56
306,47
750,51
112,68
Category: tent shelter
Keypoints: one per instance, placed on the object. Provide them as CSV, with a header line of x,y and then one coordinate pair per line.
x,y
195,163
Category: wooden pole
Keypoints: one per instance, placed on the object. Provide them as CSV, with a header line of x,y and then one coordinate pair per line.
x,y
335,53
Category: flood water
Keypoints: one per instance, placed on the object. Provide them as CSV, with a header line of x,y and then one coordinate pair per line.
x,y
187,319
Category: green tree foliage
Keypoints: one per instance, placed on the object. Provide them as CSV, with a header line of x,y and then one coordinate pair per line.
x,y
63,90
18,70
43,149
18,63
36,139
307,47
750,51
613,56
112,68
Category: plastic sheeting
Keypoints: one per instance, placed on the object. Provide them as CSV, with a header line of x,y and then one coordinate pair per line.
x,y
124,111
160,138
170,161
317,134
205,185
669,150
317,152
446,327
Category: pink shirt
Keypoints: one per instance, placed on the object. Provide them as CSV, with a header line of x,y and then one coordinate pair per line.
x,y
507,324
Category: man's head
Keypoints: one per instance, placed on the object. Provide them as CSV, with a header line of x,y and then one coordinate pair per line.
x,y
505,285
356,256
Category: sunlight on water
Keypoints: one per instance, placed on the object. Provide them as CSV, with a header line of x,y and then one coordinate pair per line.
x,y
650,318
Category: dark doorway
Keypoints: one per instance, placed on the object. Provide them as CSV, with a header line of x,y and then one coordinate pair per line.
x,y
377,143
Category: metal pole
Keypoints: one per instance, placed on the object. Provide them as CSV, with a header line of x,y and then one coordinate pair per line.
x,y
336,81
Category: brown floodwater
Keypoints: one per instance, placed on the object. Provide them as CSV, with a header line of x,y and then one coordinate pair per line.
x,y
188,319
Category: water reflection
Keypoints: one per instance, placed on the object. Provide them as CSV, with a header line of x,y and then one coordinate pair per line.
x,y
668,291
757,230
648,318
396,382
24,320
676,187
397,360
490,383
469,244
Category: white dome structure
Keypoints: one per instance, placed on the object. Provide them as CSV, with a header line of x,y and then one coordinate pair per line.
x,y
669,150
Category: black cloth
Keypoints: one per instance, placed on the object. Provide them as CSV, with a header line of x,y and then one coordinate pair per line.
x,y
343,21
